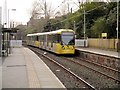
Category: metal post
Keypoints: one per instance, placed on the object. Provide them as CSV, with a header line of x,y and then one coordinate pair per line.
x,y
0,48
68,8
117,22
45,9
7,42
5,14
84,28
8,18
3,44
71,10
64,7
74,28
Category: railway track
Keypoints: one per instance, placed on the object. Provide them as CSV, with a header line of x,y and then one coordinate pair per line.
x,y
84,84
110,81
114,73
88,67
102,73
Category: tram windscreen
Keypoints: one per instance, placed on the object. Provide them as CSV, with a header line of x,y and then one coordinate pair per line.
x,y
68,38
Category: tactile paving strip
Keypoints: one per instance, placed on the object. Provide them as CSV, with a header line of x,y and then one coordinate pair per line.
x,y
32,75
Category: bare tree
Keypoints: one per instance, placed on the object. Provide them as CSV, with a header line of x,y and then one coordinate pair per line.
x,y
41,8
40,13
35,9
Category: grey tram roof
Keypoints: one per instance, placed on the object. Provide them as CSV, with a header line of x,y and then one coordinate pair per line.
x,y
52,32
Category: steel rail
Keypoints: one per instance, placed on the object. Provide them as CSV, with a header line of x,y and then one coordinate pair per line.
x,y
112,69
95,70
76,76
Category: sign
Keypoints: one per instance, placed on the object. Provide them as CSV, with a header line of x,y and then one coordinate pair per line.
x,y
104,34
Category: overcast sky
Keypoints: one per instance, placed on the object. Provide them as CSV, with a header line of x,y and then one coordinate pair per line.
x,y
23,7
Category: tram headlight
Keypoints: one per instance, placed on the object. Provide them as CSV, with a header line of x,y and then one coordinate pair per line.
x,y
63,47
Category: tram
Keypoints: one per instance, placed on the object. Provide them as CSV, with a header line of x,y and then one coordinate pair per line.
x,y
61,41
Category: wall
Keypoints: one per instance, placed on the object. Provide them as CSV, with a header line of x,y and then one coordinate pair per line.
x,y
0,15
103,43
16,43
0,40
100,59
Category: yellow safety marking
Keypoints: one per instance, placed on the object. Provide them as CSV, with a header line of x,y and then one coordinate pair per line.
x,y
32,75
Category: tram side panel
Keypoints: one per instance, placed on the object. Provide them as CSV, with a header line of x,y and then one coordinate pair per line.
x,y
53,42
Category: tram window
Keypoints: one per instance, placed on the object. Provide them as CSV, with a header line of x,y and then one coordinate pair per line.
x,y
68,39
51,44
29,38
37,38
49,38
58,38
44,38
54,38
41,38
32,38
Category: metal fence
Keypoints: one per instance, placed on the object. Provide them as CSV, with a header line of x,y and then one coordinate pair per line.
x,y
81,43
103,43
107,44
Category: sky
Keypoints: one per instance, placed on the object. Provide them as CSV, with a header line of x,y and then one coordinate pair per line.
x,y
23,8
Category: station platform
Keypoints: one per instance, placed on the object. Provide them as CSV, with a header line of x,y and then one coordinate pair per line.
x,y
0,73
24,69
100,52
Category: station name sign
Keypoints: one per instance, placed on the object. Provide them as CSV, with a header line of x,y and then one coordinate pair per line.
x,y
104,34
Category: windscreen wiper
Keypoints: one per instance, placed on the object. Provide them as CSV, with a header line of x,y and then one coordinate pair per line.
x,y
65,44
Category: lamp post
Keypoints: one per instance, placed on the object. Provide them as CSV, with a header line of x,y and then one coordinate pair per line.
x,y
9,15
8,35
84,29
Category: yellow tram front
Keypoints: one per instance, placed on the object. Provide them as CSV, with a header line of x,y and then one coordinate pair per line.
x,y
66,42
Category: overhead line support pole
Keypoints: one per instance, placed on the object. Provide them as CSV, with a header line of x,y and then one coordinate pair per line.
x,y
117,24
84,28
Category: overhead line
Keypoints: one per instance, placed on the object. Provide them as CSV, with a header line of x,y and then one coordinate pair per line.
x,y
79,14
59,5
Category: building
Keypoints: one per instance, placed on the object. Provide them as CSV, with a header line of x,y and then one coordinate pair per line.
x,y
0,14
0,30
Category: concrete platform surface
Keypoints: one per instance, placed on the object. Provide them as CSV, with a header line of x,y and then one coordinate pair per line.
x,y
100,51
24,69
